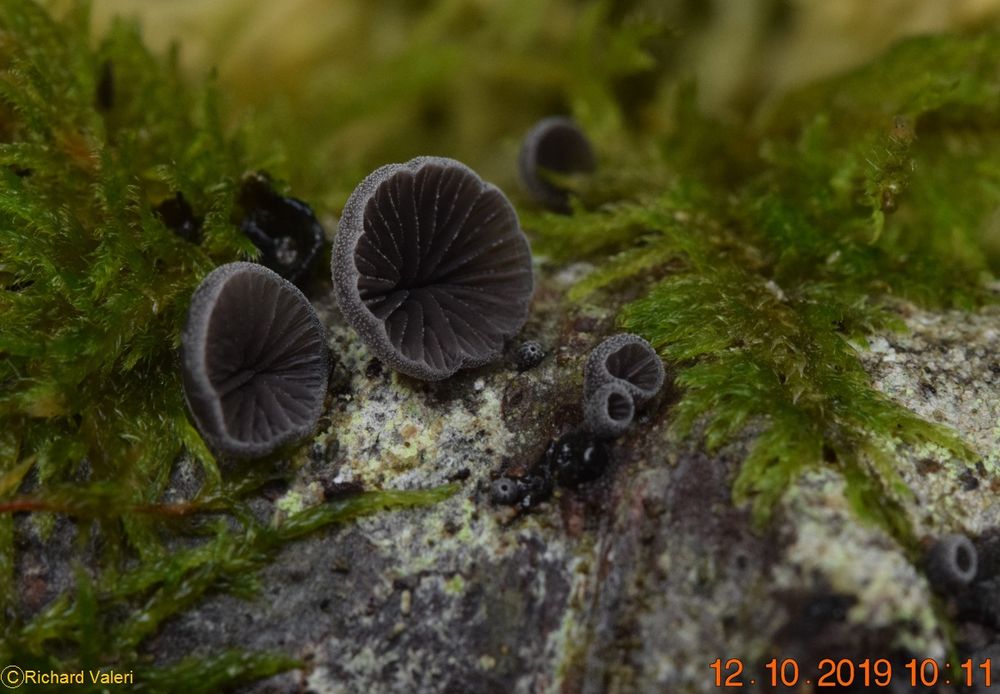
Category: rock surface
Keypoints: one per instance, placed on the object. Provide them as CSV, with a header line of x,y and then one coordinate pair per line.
x,y
636,582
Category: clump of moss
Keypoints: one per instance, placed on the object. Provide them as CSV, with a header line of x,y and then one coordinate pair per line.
x,y
95,285
781,246
94,288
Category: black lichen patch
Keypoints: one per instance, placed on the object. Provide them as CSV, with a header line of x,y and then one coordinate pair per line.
x,y
285,229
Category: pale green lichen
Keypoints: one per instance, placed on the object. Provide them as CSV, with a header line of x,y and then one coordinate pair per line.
x,y
864,562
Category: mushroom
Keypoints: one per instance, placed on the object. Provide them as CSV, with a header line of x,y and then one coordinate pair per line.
x,y
609,410
558,145
626,359
285,229
506,491
576,457
254,361
431,267
951,562
529,355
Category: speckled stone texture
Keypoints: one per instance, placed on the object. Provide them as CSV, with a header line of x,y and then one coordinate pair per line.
x,y
633,583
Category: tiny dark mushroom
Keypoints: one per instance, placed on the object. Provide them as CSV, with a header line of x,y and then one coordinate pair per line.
x,y
577,457
177,214
506,491
254,361
951,562
284,229
558,145
431,267
537,487
626,359
609,410
529,355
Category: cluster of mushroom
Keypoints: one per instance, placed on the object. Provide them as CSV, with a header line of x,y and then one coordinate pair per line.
x,y
622,373
429,264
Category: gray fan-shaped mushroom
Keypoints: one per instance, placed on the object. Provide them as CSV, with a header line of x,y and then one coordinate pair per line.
x,y
254,361
558,145
609,410
431,267
626,359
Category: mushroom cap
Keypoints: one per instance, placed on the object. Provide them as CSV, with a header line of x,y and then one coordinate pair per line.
x,y
431,267
609,410
626,359
952,562
555,144
529,355
254,361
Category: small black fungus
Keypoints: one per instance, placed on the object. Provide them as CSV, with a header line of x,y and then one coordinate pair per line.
x,y
609,410
506,491
529,355
255,361
626,359
284,229
951,562
577,457
537,487
431,267
177,214
558,145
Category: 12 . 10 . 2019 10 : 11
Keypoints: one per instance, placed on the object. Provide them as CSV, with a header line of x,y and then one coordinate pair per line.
x,y
845,672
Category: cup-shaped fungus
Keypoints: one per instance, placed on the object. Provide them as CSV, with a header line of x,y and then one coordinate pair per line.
x,y
255,361
431,267
951,562
628,360
556,145
609,410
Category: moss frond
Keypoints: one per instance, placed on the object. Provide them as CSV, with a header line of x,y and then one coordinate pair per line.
x,y
112,616
796,253
94,288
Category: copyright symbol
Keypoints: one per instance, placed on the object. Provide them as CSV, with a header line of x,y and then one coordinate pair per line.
x,y
12,677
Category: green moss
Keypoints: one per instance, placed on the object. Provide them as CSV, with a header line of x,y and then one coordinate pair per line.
x,y
95,286
109,616
782,246
93,293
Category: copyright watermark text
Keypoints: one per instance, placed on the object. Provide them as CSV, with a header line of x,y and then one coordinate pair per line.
x,y
13,677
